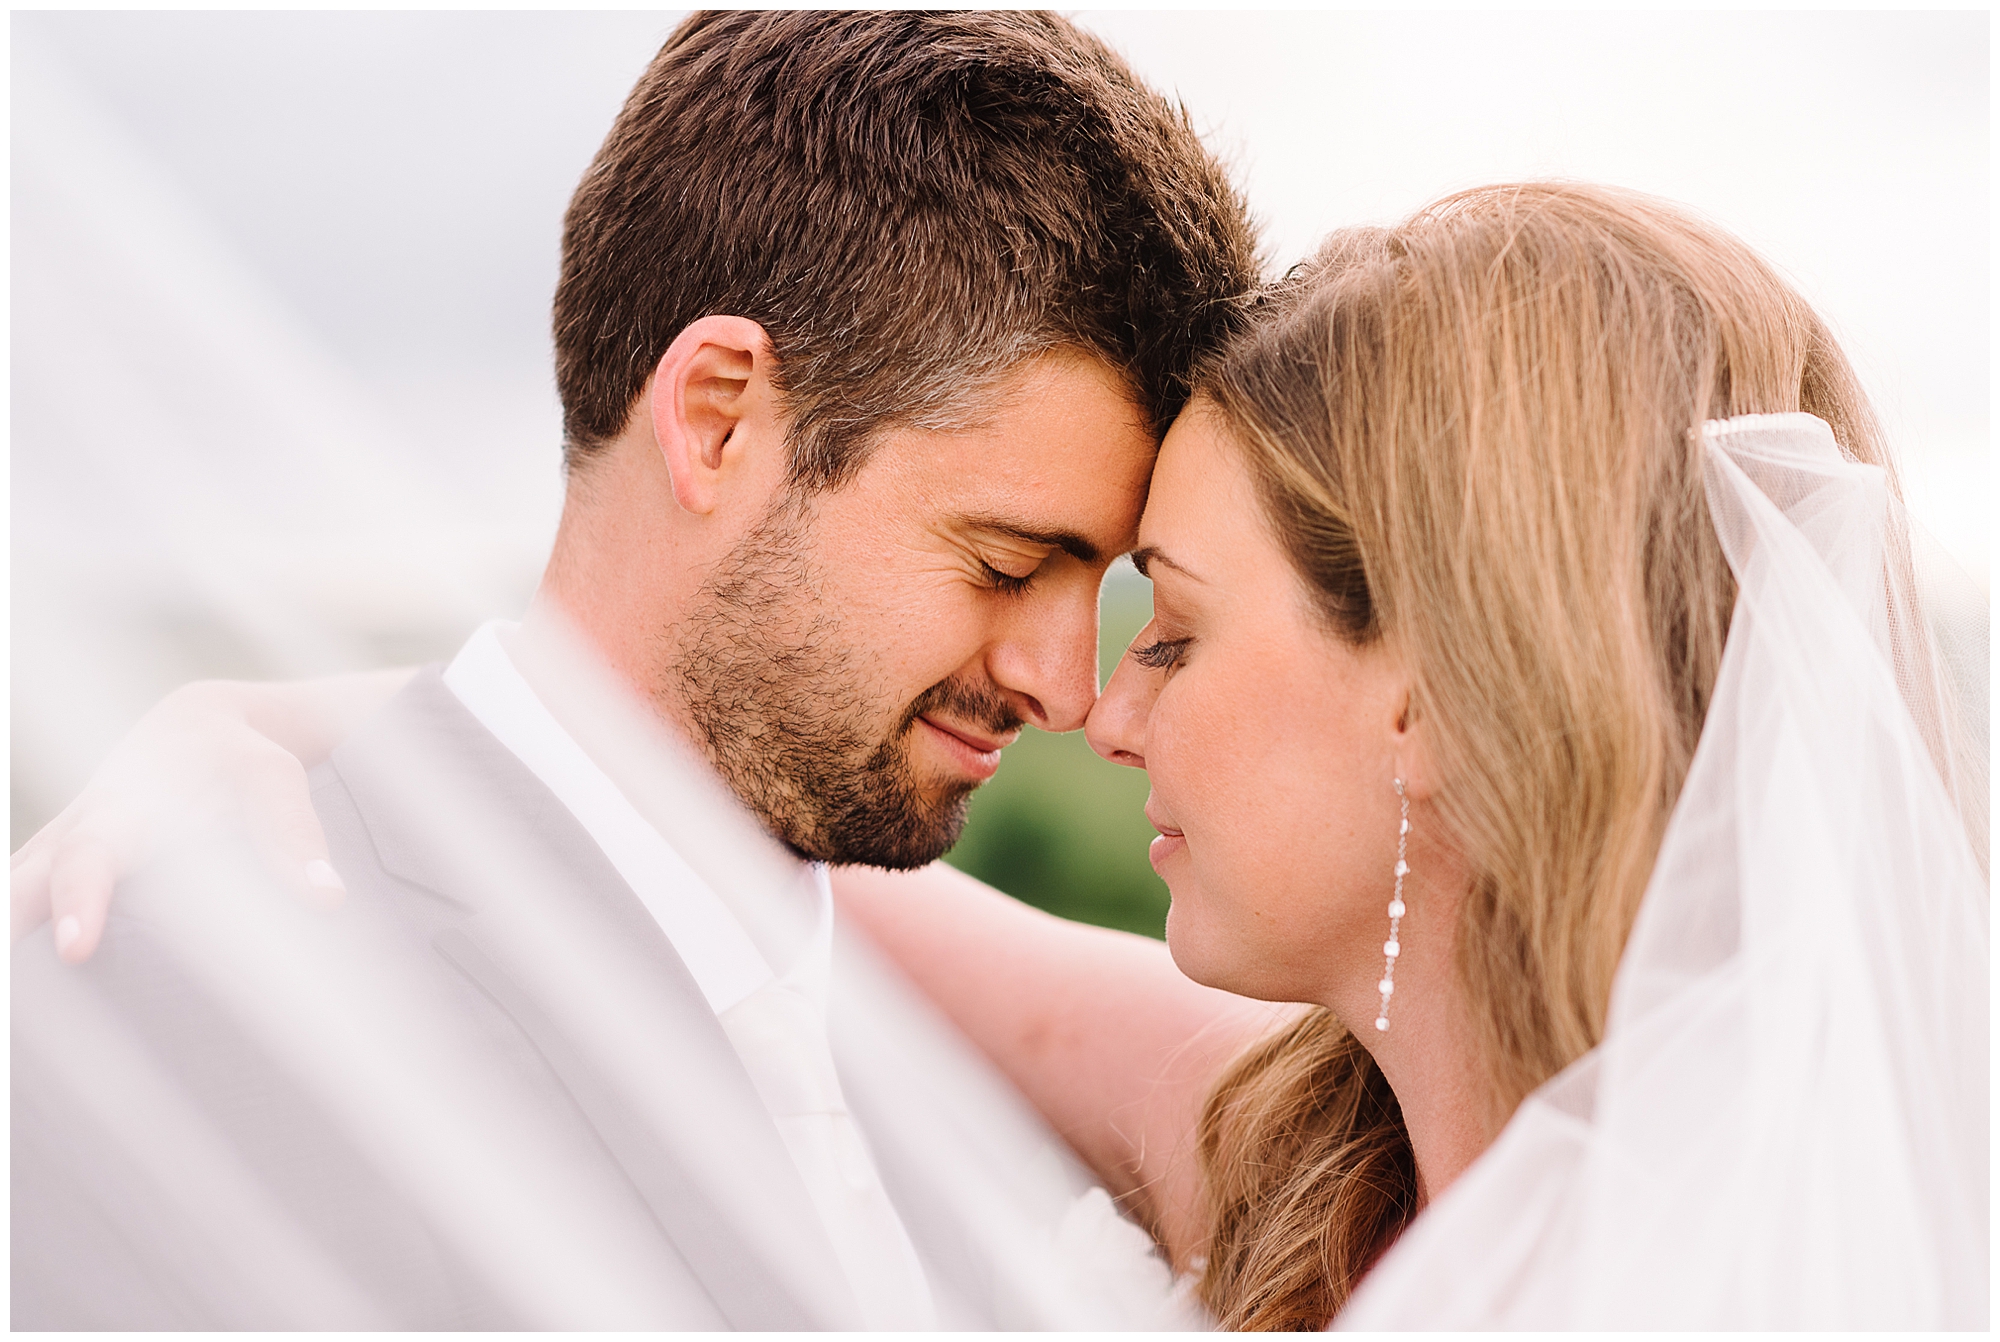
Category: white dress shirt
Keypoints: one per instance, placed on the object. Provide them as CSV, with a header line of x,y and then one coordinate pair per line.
x,y
777,1023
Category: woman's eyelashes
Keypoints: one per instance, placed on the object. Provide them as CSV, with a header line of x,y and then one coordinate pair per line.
x,y
1161,654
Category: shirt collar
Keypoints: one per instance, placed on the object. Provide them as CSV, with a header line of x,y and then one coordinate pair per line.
x,y
709,939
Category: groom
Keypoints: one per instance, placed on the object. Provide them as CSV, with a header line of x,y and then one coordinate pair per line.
x,y
867,329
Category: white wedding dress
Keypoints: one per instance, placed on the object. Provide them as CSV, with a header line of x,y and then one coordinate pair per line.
x,y
1785,1125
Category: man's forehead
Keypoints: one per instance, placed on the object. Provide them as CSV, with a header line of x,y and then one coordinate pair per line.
x,y
1072,382
1062,460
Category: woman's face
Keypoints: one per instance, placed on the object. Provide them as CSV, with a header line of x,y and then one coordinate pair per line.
x,y
1271,745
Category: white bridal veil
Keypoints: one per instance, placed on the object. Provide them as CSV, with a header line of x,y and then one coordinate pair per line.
x,y
1785,1125
1786,1122
345,1011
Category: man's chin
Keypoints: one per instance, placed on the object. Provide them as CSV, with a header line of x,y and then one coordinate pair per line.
x,y
896,838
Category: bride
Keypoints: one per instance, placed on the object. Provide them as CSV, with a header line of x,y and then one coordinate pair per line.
x,y
1536,696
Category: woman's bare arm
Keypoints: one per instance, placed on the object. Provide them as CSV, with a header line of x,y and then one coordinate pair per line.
x,y
230,744
1115,1046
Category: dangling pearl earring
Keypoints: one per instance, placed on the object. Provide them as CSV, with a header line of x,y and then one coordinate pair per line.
x,y
1392,947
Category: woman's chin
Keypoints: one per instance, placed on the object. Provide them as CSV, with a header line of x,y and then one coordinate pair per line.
x,y
1223,957
1207,951
1179,947
1195,948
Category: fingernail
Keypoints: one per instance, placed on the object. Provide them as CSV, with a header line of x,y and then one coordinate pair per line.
x,y
68,929
320,872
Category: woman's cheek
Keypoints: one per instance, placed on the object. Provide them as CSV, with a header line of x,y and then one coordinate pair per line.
x,y
1202,768
1192,777
1164,764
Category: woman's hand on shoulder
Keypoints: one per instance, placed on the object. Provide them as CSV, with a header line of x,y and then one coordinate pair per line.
x,y
211,750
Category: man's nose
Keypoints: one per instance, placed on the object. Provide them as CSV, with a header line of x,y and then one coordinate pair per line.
x,y
1047,663
1117,726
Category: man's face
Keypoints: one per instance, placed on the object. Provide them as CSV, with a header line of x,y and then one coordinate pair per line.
x,y
855,665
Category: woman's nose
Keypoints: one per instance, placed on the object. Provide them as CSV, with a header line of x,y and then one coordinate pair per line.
x,y
1116,728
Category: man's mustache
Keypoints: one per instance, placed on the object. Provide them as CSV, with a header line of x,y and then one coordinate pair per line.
x,y
975,705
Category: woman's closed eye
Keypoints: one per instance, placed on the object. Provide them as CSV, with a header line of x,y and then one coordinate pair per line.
x,y
1162,654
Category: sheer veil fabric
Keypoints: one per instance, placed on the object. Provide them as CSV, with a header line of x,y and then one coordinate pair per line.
x,y
1785,1124
619,1182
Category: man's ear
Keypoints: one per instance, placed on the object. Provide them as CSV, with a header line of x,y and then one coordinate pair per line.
x,y
712,379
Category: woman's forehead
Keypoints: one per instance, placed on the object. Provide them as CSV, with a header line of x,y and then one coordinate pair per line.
x,y
1203,502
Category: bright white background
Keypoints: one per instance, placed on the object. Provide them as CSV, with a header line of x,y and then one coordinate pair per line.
x,y
281,399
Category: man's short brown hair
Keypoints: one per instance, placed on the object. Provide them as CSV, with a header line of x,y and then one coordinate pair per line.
x,y
909,204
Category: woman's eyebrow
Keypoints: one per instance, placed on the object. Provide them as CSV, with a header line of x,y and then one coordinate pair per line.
x,y
1147,555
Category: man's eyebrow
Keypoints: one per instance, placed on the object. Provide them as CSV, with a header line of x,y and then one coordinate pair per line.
x,y
1056,538
1147,555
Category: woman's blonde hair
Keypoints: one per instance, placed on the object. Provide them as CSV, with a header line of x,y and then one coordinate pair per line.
x,y
1478,433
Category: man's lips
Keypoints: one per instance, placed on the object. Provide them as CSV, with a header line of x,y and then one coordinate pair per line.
x,y
984,744
975,752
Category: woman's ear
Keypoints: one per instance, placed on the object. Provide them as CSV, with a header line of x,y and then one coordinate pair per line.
x,y
1415,764
713,381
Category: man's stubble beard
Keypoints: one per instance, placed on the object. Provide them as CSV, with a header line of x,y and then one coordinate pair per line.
x,y
785,710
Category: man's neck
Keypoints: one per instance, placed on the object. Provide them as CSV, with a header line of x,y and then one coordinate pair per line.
x,y
624,568
553,636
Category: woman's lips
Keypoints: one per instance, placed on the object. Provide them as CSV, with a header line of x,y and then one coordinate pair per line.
x,y
1170,842
976,755
1163,848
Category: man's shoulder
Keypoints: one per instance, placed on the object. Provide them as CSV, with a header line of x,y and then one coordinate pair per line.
x,y
423,793
301,1043
423,730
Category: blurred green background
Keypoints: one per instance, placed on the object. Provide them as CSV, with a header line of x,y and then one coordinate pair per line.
x,y
1062,829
